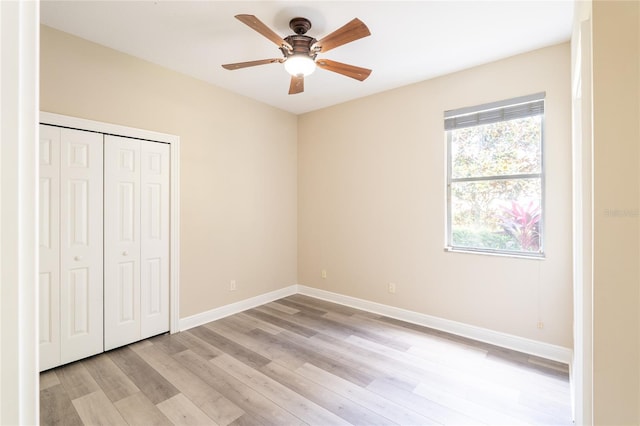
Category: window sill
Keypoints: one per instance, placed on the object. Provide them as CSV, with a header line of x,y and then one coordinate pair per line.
x,y
533,256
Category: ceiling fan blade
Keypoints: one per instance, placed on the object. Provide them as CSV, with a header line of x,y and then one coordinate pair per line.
x,y
260,27
239,65
354,30
297,84
344,69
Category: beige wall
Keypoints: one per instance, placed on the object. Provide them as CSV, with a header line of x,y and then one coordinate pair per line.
x,y
238,163
616,187
370,183
371,203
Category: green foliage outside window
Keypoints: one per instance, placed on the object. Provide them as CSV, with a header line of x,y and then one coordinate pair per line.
x,y
496,186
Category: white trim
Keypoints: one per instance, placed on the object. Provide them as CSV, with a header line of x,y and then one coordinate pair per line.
x,y
174,253
234,308
509,341
582,156
174,141
19,32
108,128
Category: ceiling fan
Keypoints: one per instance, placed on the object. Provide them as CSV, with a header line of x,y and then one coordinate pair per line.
x,y
300,50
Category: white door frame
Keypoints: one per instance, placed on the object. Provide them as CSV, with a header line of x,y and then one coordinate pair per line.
x,y
582,368
174,228
19,36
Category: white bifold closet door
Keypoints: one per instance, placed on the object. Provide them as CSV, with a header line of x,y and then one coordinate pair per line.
x,y
71,245
136,258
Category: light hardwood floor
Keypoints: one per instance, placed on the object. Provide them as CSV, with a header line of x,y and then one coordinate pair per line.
x,y
301,360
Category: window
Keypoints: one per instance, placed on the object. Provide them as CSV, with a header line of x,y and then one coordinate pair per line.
x,y
495,177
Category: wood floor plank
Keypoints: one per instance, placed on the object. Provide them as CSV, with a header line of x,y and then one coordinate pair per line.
x,y
137,410
374,402
483,413
209,400
480,385
301,349
345,408
403,373
282,308
147,379
293,302
230,347
294,402
421,329
323,305
257,323
169,343
310,322
197,345
48,378
113,382
335,358
76,380
56,408
418,336
245,420
140,344
441,414
469,345
181,411
238,326
266,349
356,328
96,409
542,408
251,401
486,372
367,331
283,323
399,364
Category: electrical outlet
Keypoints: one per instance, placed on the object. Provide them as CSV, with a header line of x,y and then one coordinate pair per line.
x,y
232,285
540,324
392,287
323,274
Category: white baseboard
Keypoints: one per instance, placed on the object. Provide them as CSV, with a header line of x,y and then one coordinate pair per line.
x,y
509,341
234,308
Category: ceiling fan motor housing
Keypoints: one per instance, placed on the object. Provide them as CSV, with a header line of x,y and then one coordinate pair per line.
x,y
301,46
299,41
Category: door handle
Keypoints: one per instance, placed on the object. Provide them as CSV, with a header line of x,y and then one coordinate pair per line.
x,y
77,258
125,253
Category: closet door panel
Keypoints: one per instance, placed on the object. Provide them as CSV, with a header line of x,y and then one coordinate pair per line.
x,y
49,247
81,244
122,241
154,238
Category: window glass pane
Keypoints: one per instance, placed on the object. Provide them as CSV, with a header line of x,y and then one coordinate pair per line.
x,y
504,148
497,215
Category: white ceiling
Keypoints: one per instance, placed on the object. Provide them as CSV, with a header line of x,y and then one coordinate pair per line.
x,y
410,41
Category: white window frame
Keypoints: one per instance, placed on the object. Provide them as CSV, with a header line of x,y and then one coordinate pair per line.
x,y
520,107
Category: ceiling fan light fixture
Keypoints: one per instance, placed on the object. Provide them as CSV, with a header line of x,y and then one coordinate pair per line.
x,y
300,50
300,64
